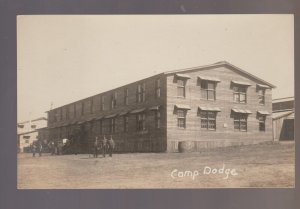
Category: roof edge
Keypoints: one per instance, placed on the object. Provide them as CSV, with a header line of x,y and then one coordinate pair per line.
x,y
221,63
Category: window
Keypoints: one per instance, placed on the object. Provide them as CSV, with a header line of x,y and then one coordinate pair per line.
x,y
262,122
261,96
157,88
180,88
67,112
82,108
33,126
74,110
26,137
114,100
157,119
208,120
141,122
240,121
239,94
126,121
208,90
27,141
126,96
181,118
102,103
20,126
100,127
112,125
92,105
141,94
59,115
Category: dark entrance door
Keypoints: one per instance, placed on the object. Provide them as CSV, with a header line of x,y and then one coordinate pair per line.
x,y
287,131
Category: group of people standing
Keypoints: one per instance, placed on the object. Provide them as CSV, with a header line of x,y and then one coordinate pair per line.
x,y
105,145
37,147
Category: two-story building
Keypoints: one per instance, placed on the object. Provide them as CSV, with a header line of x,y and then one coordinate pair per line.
x,y
211,106
28,132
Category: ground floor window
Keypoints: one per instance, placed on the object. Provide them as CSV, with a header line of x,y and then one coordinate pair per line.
x,y
181,118
157,119
208,120
141,122
126,121
262,122
112,125
240,122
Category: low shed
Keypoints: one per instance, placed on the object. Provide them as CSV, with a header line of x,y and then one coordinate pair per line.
x,y
283,125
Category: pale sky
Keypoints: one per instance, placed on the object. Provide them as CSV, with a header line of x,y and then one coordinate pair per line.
x,y
65,58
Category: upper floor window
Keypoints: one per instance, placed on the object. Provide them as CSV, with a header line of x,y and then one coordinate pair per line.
x,y
181,87
240,121
67,112
74,109
157,88
208,90
261,96
114,100
141,93
82,108
92,105
141,122
181,80
103,98
240,91
240,94
33,126
208,120
126,96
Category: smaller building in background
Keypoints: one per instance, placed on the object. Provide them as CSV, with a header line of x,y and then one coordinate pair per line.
x,y
28,132
283,119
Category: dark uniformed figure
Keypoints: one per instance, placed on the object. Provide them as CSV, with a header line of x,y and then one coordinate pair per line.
x,y
40,148
111,146
104,146
96,147
33,149
52,147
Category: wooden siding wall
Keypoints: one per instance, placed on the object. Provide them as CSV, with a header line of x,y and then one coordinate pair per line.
x,y
224,134
150,140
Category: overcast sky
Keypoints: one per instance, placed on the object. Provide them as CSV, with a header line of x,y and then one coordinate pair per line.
x,y
62,59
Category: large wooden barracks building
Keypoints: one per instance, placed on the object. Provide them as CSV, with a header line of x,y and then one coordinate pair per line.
x,y
211,106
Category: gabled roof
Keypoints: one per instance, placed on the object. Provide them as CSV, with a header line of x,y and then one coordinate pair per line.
x,y
217,64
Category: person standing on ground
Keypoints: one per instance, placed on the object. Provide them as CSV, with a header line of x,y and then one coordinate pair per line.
x,y
104,146
111,146
96,147
33,149
40,148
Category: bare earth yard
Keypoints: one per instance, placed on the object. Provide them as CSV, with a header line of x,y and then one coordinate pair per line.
x,y
263,165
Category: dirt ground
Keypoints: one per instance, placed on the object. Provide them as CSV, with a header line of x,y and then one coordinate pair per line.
x,y
263,165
